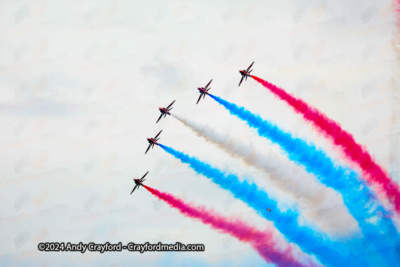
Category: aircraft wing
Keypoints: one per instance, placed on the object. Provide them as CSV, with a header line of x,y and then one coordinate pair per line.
x,y
148,149
157,134
144,175
199,99
134,189
241,80
171,104
208,84
250,66
160,117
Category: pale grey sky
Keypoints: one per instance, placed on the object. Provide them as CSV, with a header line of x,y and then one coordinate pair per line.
x,y
80,87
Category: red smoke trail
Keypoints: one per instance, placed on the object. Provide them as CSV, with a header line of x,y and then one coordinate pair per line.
x,y
263,242
397,10
373,173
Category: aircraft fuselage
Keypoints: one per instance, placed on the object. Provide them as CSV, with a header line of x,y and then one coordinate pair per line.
x,y
152,141
164,111
244,73
202,91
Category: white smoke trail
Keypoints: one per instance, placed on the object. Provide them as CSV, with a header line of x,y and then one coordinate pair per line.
x,y
322,205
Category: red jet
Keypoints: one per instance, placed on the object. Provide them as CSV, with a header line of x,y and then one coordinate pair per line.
x,y
138,182
153,141
165,111
203,91
245,73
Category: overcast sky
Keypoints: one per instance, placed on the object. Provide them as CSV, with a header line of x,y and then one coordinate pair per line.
x,y
80,87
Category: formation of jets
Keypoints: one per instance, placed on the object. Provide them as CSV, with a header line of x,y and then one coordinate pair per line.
x,y
166,111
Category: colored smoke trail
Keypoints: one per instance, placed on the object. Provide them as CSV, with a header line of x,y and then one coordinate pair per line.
x,y
290,179
357,197
265,243
374,174
308,240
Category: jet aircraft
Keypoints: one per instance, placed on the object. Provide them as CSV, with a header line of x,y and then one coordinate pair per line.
x,y
152,141
165,111
139,182
245,73
203,91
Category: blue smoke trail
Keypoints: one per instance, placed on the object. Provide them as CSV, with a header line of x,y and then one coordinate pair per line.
x,y
356,194
326,251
